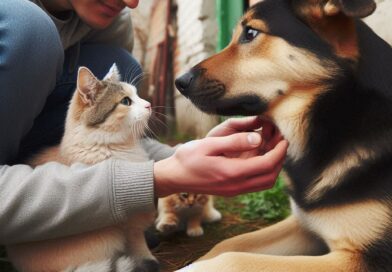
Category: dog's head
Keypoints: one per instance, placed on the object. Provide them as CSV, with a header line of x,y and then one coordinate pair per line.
x,y
280,50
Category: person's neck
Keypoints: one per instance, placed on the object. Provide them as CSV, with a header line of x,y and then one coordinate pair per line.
x,y
58,8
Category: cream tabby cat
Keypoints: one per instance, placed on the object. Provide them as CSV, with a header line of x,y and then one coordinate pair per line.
x,y
105,120
186,208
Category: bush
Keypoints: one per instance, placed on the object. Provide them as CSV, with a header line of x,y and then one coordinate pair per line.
x,y
270,205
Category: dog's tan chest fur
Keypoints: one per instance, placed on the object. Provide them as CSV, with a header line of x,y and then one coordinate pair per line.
x,y
349,227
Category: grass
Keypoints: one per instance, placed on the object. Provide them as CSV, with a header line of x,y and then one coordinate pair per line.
x,y
178,250
271,205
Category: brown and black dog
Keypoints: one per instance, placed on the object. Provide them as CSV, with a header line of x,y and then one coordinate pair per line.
x,y
325,79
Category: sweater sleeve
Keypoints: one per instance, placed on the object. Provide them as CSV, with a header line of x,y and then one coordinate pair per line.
x,y
55,200
156,150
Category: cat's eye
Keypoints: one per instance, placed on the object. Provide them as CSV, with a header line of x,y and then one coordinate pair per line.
x,y
126,101
184,195
249,34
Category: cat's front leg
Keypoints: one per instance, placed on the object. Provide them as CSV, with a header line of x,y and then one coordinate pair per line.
x,y
167,222
139,253
210,214
194,227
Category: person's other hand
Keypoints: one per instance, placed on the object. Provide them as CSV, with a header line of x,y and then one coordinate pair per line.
x,y
201,166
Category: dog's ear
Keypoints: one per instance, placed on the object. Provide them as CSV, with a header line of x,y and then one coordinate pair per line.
x,y
325,8
333,21
351,8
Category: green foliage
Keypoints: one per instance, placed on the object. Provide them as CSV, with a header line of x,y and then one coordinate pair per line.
x,y
270,205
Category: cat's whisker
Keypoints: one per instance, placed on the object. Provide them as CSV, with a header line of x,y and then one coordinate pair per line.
x,y
161,114
133,79
148,129
139,78
159,121
165,107
143,128
130,73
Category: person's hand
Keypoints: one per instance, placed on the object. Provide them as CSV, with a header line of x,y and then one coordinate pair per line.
x,y
270,134
201,167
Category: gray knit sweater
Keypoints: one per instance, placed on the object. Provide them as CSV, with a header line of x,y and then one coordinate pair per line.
x,y
55,200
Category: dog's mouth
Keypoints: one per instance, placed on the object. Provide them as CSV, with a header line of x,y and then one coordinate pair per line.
x,y
241,105
211,95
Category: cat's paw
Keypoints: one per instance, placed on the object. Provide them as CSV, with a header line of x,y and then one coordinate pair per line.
x,y
212,216
167,226
195,231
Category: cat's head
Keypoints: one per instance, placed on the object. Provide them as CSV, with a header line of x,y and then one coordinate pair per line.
x,y
109,108
188,200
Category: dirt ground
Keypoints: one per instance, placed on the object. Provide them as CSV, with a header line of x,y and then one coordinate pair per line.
x,y
177,250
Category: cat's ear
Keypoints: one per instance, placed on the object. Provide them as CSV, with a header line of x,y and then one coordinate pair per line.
x,y
113,74
87,85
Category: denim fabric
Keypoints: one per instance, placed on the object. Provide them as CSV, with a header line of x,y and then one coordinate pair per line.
x,y
31,58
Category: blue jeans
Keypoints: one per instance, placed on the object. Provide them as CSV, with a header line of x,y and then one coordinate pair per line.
x,y
38,78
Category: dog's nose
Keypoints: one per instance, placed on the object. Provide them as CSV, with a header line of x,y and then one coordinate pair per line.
x,y
183,82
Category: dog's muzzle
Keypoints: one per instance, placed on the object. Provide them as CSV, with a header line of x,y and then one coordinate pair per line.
x,y
184,82
209,95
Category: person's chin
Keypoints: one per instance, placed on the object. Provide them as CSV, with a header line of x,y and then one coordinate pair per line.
x,y
134,4
100,24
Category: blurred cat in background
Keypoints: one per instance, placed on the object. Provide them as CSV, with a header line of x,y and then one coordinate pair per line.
x,y
185,208
106,119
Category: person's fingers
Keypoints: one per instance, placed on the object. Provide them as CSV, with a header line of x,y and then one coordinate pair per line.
x,y
250,185
233,143
260,164
245,123
234,125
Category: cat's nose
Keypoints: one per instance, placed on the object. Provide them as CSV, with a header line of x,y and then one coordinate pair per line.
x,y
183,82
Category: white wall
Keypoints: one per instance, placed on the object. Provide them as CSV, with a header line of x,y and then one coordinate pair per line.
x,y
141,26
381,20
196,41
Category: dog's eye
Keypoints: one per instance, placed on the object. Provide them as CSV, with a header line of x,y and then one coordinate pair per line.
x,y
249,34
126,101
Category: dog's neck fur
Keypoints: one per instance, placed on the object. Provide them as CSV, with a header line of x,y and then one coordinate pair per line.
x,y
343,126
348,98
348,126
